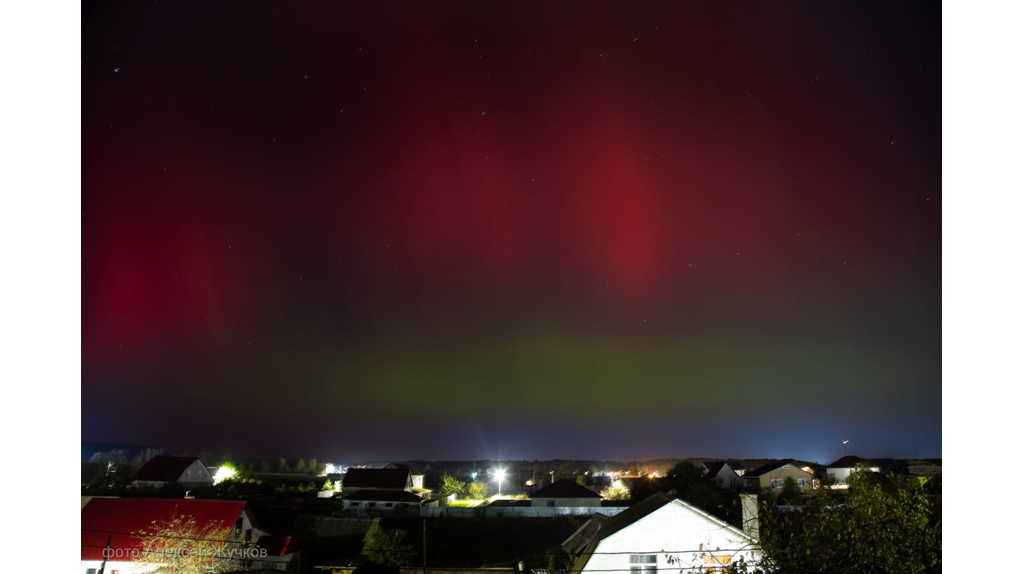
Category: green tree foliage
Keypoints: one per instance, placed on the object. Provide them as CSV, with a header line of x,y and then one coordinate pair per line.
x,y
790,491
300,467
684,476
452,485
867,529
282,466
182,546
385,547
617,491
478,490
313,467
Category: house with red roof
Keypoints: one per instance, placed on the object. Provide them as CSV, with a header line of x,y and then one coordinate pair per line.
x,y
121,531
160,471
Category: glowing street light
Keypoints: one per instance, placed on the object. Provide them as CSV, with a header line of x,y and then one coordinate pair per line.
x,y
223,473
499,475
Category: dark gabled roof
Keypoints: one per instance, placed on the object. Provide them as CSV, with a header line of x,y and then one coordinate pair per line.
x,y
716,467
920,468
584,535
770,467
565,488
376,478
850,461
165,468
383,496
400,466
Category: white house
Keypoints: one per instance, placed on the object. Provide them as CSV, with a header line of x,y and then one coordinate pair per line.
x,y
725,474
659,533
565,493
839,471
160,471
380,499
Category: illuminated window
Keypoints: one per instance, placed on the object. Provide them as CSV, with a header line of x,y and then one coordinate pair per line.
x,y
643,564
716,563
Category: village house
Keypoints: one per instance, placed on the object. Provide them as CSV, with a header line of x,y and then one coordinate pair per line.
x,y
161,471
725,474
838,473
659,533
391,479
565,493
773,476
369,499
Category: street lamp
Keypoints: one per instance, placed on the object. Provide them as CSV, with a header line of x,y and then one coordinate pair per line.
x,y
500,475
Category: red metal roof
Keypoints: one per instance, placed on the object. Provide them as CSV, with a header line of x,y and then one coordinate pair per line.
x,y
119,518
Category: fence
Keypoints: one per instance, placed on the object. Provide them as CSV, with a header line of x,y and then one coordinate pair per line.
x,y
479,511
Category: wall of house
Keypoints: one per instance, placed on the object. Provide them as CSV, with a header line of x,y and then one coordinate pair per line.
x,y
793,471
726,478
196,473
378,504
685,534
566,501
842,475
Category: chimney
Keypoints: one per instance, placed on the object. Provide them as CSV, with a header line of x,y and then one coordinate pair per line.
x,y
751,525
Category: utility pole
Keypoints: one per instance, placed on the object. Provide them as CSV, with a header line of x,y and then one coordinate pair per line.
x,y
106,553
424,546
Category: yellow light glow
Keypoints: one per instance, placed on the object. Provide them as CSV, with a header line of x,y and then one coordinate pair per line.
x,y
223,473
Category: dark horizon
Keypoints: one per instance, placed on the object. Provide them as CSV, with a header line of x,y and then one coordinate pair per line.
x,y
513,230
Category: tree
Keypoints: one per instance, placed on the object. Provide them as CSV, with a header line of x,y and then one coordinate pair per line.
x,y
684,476
478,490
617,491
185,547
452,485
313,467
790,491
282,465
869,528
385,548
300,467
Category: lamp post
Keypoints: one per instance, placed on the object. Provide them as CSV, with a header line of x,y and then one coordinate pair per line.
x,y
500,475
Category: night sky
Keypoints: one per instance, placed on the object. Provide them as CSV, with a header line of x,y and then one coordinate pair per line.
x,y
513,229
